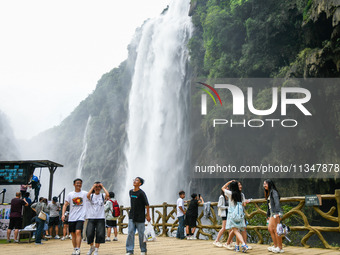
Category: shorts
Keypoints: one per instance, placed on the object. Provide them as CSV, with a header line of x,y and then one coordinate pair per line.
x,y
111,223
224,218
190,221
75,225
15,223
95,228
53,221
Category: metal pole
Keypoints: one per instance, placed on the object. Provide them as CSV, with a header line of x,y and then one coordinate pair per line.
x,y
52,170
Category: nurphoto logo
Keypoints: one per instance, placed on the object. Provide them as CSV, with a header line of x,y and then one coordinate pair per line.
x,y
295,96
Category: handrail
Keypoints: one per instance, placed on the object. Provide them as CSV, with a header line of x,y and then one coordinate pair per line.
x,y
62,193
161,215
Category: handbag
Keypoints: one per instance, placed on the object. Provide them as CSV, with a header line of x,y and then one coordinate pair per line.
x,y
42,215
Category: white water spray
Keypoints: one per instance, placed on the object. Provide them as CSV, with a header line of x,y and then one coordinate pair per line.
x,y
158,142
83,153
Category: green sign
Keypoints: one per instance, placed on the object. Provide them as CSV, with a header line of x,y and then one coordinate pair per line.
x,y
312,200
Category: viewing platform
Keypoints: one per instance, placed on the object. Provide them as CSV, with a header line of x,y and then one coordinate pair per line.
x,y
163,246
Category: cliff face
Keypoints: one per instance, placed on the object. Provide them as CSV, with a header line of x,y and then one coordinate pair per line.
x,y
321,27
268,39
8,147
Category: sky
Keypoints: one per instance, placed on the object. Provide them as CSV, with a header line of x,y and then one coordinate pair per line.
x,y
52,53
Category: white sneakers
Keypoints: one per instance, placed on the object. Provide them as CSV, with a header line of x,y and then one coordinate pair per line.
x,y
275,249
57,237
217,244
115,239
76,252
229,246
107,239
91,250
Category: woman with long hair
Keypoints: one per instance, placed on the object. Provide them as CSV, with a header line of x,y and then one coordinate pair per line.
x,y
222,209
274,213
235,204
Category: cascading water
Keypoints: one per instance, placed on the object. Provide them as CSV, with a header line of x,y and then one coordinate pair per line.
x,y
158,142
83,153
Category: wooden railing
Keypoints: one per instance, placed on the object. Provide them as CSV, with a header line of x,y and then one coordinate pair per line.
x,y
164,220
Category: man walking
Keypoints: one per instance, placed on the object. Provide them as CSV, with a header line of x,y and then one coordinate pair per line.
x,y
15,216
137,217
76,200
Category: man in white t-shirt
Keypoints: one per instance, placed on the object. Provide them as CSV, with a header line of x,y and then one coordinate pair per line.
x,y
96,217
180,215
77,201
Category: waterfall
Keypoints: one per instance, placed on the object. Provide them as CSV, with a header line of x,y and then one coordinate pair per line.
x,y
157,130
83,153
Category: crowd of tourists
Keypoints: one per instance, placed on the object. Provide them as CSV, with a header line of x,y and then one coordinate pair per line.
x,y
96,212
231,205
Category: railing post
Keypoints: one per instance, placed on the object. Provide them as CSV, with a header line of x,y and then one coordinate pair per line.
x,y
164,227
337,198
120,220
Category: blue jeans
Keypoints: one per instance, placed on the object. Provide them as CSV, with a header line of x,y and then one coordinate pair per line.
x,y
180,229
130,241
40,227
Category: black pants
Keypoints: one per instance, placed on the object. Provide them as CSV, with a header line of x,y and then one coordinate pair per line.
x,y
95,228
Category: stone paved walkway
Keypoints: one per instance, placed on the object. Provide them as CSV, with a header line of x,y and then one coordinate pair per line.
x,y
163,245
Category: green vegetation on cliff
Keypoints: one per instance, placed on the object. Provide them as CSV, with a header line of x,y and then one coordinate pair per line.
x,y
267,39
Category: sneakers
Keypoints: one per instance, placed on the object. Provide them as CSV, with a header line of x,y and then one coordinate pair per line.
x,y
250,247
62,239
188,237
48,236
217,244
271,248
107,239
91,250
193,238
245,248
16,241
228,246
237,248
8,240
277,250
77,252
115,239
95,251
143,253
38,243
57,237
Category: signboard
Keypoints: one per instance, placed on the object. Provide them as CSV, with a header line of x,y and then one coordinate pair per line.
x,y
13,174
4,221
313,200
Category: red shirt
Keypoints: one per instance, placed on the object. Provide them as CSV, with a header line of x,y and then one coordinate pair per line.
x,y
16,207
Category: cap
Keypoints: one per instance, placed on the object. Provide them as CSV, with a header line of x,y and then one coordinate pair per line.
x,y
55,199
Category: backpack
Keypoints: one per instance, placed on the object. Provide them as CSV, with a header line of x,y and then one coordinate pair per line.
x,y
116,209
238,214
